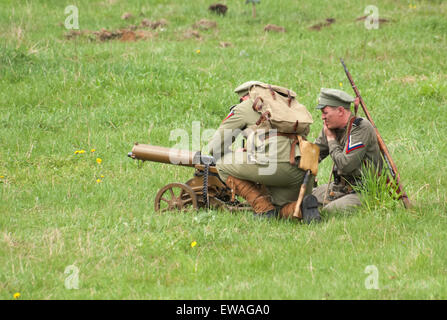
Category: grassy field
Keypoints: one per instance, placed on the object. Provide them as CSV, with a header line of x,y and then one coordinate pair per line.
x,y
89,215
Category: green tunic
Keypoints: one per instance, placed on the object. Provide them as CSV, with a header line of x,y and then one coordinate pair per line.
x,y
349,153
265,161
241,120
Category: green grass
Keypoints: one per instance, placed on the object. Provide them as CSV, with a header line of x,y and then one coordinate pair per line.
x,y
58,96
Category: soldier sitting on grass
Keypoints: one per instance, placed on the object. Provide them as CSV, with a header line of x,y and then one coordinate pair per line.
x,y
352,144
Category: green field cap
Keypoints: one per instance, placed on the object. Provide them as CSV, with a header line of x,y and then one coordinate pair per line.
x,y
243,89
334,98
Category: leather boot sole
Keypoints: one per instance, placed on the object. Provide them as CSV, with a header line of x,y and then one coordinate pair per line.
x,y
309,209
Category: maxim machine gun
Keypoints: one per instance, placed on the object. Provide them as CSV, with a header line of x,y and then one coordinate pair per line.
x,y
204,190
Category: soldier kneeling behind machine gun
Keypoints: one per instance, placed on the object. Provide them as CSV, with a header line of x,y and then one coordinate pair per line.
x,y
275,126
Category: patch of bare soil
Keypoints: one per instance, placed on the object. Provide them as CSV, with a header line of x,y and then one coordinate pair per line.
x,y
127,16
129,34
76,33
319,26
275,28
381,20
104,35
192,34
124,35
145,23
205,24
223,44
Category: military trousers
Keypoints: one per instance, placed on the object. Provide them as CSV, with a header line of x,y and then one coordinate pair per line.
x,y
282,180
339,202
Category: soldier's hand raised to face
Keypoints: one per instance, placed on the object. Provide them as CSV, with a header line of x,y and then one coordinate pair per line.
x,y
330,135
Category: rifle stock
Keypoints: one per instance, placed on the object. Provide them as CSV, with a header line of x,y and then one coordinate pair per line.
x,y
383,148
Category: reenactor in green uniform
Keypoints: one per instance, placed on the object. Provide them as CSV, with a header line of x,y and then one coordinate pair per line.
x,y
245,172
352,144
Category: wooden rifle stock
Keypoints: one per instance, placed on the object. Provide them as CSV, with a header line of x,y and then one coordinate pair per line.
x,y
383,149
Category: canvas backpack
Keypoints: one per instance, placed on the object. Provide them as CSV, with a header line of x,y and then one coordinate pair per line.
x,y
279,109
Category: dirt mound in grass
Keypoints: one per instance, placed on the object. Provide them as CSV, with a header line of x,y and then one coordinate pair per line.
x,y
146,23
76,33
224,44
125,35
127,16
192,34
381,20
129,34
205,24
319,26
275,28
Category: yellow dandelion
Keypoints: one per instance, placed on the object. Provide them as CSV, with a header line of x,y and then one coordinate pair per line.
x,y
2,177
98,180
81,151
102,176
340,84
193,244
98,160
16,295
77,152
198,51
93,150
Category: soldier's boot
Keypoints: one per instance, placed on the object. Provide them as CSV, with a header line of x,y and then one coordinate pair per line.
x,y
309,209
259,201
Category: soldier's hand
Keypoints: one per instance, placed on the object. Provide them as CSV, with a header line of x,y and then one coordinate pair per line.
x,y
330,135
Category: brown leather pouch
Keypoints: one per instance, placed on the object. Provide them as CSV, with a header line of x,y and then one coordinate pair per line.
x,y
309,155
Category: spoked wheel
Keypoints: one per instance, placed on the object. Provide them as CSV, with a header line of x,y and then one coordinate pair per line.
x,y
175,196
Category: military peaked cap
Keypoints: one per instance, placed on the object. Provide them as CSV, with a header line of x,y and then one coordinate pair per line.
x,y
334,98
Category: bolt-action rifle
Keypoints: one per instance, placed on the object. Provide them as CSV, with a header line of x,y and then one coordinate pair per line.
x,y
383,149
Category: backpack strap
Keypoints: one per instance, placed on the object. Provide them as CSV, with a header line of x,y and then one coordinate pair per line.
x,y
265,116
295,126
255,104
295,142
272,92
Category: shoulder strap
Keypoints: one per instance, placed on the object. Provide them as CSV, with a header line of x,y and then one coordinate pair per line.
x,y
351,122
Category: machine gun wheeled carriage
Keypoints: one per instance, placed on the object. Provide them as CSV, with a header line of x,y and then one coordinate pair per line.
x,y
204,190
